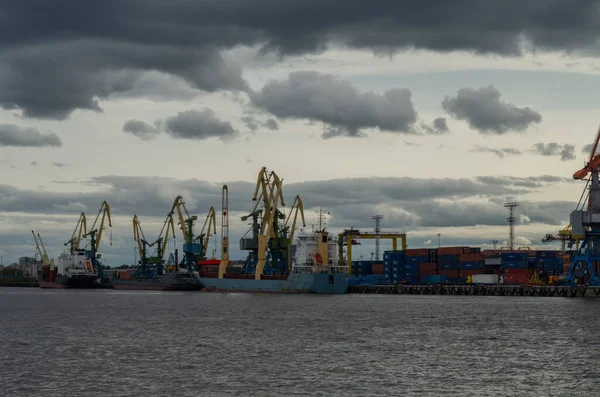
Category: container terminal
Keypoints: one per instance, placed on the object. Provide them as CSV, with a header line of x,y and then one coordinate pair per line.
x,y
322,263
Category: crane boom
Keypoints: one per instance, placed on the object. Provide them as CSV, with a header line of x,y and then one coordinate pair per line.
x,y
592,163
297,206
80,231
205,233
105,211
270,185
37,246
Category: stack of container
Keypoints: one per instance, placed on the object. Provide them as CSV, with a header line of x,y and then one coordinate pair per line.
x,y
470,264
362,268
515,266
550,262
393,264
448,261
427,271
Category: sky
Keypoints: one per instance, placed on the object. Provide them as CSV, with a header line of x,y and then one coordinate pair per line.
x,y
432,115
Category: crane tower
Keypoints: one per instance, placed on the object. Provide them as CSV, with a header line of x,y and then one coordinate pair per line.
x,y
377,219
511,205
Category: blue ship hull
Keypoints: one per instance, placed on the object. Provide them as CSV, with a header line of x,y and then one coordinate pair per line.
x,y
317,283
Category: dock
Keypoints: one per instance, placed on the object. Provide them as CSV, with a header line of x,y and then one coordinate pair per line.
x,y
480,290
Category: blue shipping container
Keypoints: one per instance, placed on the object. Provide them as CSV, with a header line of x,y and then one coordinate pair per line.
x,y
512,256
471,265
434,279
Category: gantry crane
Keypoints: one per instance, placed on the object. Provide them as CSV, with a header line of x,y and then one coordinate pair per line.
x,y
586,224
95,235
224,231
80,231
152,265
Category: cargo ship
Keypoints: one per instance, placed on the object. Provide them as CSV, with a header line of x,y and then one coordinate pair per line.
x,y
73,270
314,269
181,280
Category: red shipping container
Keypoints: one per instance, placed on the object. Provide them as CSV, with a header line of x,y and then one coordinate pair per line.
x,y
427,266
451,250
417,252
449,273
470,258
470,272
516,279
377,269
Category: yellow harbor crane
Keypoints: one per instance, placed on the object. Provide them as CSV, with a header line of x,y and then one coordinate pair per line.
x,y
95,235
160,242
268,187
297,207
80,231
205,232
46,261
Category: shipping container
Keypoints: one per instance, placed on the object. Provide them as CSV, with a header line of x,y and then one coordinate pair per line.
x,y
514,256
452,250
433,279
469,272
418,252
470,258
470,265
493,261
485,279
377,268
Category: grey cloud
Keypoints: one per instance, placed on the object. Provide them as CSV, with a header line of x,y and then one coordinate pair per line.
x,y
196,124
61,165
271,124
439,127
529,182
566,151
498,152
141,130
485,112
340,106
588,148
52,79
81,52
12,135
253,124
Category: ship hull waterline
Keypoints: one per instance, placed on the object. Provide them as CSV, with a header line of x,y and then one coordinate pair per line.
x,y
296,283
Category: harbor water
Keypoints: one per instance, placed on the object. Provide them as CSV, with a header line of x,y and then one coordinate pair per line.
x,y
150,343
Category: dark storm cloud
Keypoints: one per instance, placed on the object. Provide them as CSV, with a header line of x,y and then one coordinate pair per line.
x,y
483,110
198,124
67,55
144,131
50,80
12,135
498,152
439,127
565,152
340,106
